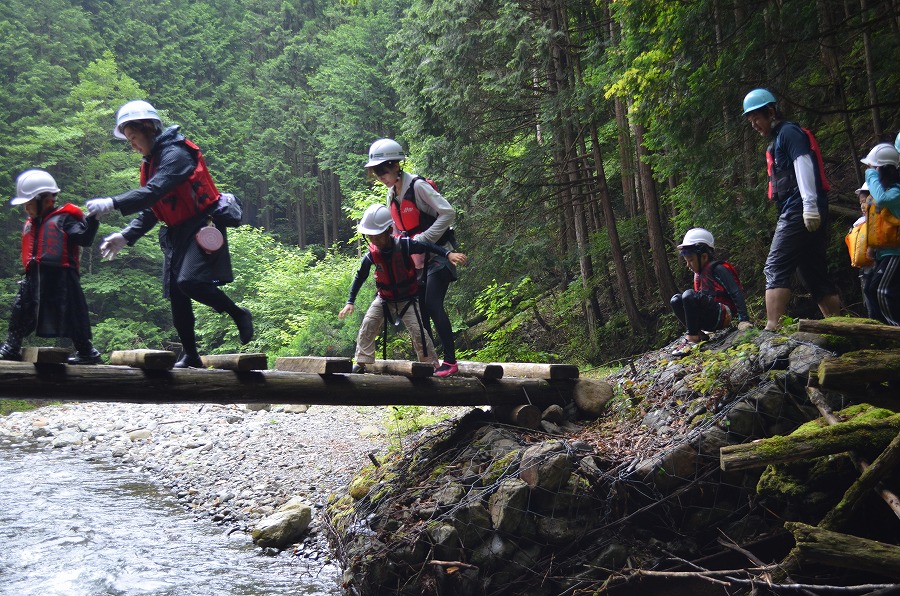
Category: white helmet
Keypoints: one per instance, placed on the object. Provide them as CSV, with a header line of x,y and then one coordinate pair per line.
x,y
31,183
375,220
384,150
863,188
135,110
696,236
882,154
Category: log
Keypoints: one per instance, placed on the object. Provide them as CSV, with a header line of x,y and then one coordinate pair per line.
x,y
314,364
816,545
883,465
144,359
533,370
45,355
104,383
238,362
846,436
480,370
524,415
855,370
852,328
404,368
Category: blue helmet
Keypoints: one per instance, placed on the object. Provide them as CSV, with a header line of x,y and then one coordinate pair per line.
x,y
758,98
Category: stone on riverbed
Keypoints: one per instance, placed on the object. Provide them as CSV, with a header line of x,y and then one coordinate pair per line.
x,y
285,526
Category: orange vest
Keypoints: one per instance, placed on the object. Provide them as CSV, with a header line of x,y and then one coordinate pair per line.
x,y
47,243
858,246
882,227
190,198
395,273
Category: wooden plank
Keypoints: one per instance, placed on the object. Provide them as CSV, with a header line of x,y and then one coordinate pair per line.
x,y
144,359
238,362
314,364
103,383
480,370
45,355
404,368
852,328
531,370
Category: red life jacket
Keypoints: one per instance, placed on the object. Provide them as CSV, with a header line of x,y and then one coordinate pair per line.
x,y
407,217
191,197
707,283
785,182
48,243
395,273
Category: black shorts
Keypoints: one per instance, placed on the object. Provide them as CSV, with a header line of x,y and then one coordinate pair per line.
x,y
796,249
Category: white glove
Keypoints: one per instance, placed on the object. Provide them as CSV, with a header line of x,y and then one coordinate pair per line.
x,y
811,219
97,207
111,245
744,325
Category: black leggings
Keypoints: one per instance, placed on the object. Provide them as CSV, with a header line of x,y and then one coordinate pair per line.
x,y
431,296
697,311
180,296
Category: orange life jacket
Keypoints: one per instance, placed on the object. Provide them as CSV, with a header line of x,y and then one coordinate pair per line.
x,y
707,283
408,218
190,198
395,273
882,227
47,243
857,245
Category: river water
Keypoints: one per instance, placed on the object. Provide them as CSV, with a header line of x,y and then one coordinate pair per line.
x,y
70,527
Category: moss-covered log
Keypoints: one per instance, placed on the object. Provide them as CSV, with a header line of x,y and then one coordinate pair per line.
x,y
855,370
851,328
815,545
857,434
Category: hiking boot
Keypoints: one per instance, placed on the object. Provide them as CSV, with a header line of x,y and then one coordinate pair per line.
x,y
189,361
358,369
8,352
91,356
244,322
446,369
684,347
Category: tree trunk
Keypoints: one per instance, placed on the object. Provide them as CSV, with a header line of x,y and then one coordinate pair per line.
x,y
658,249
815,545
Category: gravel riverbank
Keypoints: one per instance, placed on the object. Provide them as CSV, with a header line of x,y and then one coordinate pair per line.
x,y
226,463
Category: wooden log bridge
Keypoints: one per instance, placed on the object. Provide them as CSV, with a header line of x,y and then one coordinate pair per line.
x,y
111,383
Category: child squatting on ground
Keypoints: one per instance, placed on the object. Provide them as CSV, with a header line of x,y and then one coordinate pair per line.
x,y
396,284
50,301
717,296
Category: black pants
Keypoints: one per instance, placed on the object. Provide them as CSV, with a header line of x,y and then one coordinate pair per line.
x,y
697,311
50,303
180,296
431,296
883,290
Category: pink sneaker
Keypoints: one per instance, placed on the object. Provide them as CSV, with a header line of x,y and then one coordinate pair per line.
x,y
446,369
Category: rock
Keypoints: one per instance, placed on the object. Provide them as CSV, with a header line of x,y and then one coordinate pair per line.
x,y
257,407
67,439
508,504
295,408
545,466
285,526
591,396
554,414
137,435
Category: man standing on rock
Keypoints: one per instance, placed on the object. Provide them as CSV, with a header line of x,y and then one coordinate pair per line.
x,y
798,186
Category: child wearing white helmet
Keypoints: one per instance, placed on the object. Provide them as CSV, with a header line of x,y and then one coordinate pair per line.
x,y
50,301
717,297
861,256
883,221
419,211
397,286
